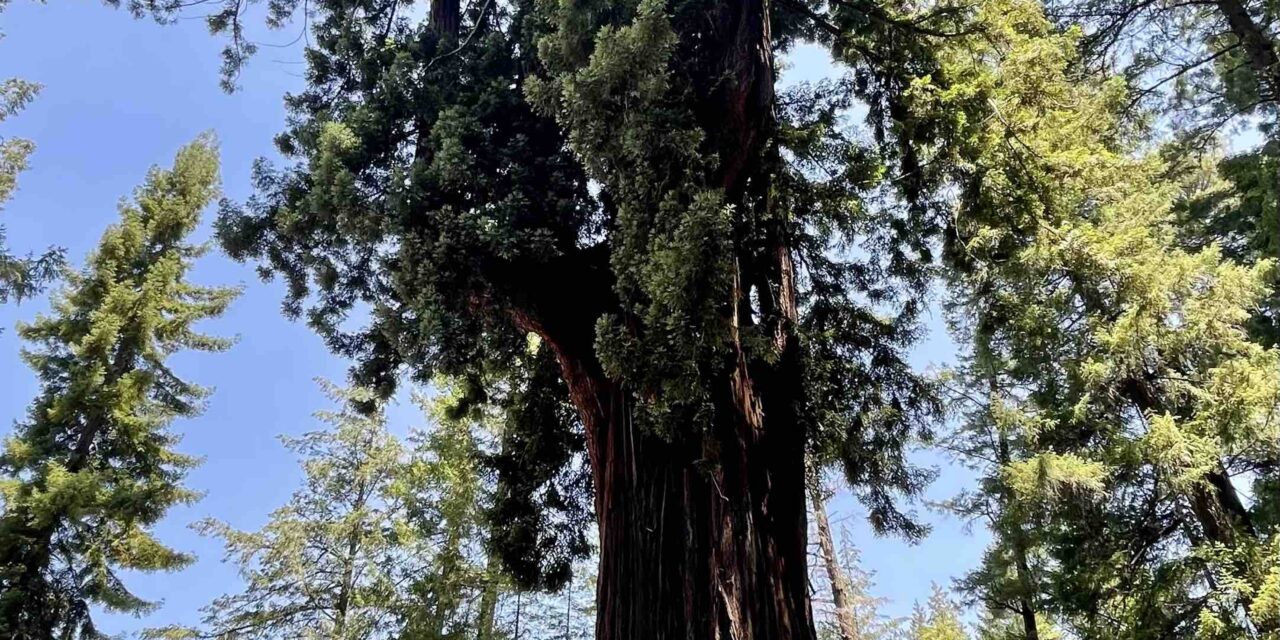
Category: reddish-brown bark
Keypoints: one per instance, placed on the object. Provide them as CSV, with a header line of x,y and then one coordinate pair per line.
x,y
702,532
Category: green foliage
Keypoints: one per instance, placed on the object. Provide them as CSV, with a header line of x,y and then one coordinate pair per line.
x,y
385,539
1127,355
1232,203
456,584
554,171
20,277
542,500
1203,68
939,619
549,202
94,465
328,563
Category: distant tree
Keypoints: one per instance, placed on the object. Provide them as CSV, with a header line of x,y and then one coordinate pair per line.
x,y
94,464
1010,625
993,433
384,539
456,584
851,612
566,614
938,619
845,627
20,277
327,564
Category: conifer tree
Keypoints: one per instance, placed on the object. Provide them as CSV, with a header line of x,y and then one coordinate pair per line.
x,y
384,539
992,435
1233,202
623,181
457,584
94,465
1143,397
326,565
565,614
1207,65
20,277
1209,69
938,619
852,613
837,580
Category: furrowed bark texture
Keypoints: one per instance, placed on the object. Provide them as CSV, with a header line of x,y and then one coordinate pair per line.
x,y
703,533
700,537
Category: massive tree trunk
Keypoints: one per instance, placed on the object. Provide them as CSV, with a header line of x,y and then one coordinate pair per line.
x,y
701,536
445,20
703,531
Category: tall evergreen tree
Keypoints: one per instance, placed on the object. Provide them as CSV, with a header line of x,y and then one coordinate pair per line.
x,y
384,539
1127,355
852,613
457,586
838,581
1206,68
993,434
621,180
94,465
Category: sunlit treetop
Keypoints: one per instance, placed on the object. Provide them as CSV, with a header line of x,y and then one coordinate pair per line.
x,y
94,466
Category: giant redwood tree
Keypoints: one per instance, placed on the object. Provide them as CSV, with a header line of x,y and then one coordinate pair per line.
x,y
605,219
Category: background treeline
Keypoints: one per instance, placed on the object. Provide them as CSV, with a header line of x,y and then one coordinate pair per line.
x,y
1058,171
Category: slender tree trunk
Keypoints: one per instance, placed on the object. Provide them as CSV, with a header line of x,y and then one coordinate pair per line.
x,y
343,605
1018,544
488,600
1258,46
568,606
517,631
840,588
344,593
1026,607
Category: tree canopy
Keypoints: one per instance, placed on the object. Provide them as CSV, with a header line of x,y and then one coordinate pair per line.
x,y
94,466
663,298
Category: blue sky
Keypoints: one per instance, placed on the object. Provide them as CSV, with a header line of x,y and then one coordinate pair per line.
x,y
122,95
